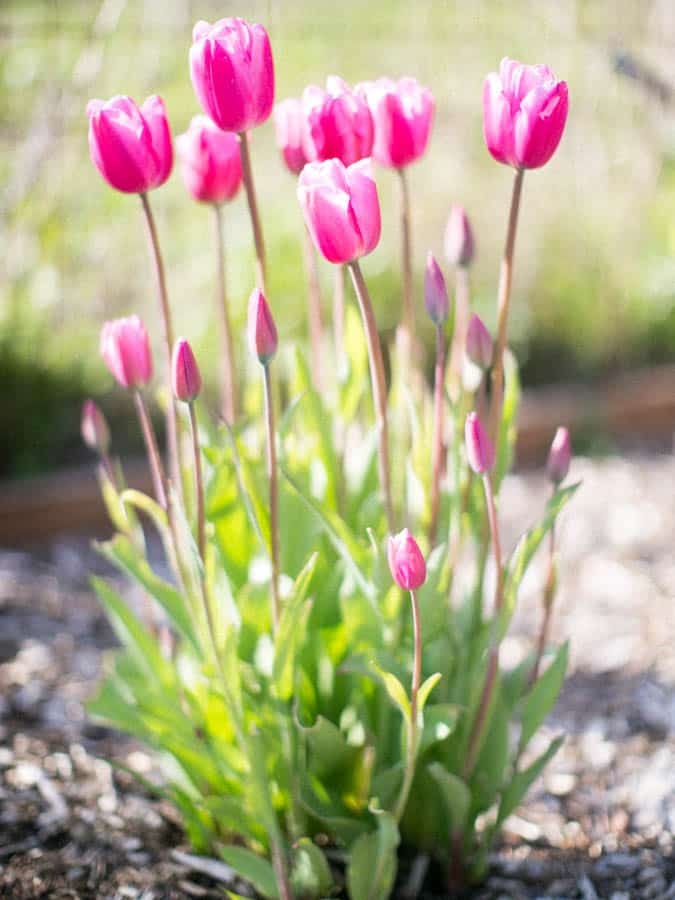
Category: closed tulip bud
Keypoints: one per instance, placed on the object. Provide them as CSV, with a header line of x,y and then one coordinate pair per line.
x,y
559,456
338,123
262,332
459,242
186,380
94,428
479,346
210,162
406,563
402,114
289,122
125,349
524,114
232,73
435,292
479,449
341,208
130,147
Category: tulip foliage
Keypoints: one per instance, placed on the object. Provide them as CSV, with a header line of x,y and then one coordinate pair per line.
x,y
323,690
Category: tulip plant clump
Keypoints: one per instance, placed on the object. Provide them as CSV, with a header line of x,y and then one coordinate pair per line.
x,y
318,670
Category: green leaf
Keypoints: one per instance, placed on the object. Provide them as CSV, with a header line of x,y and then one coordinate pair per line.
x,y
310,873
152,509
329,751
456,794
252,868
543,695
426,688
508,424
291,631
521,782
256,507
396,691
372,861
439,723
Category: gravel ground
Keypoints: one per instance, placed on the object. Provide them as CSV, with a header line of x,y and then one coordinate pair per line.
x,y
599,824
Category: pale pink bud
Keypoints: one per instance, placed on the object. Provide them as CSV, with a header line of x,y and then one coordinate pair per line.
x,y
479,347
406,563
130,147
341,208
232,73
524,114
289,120
402,113
210,162
337,123
262,332
559,456
479,449
435,292
186,380
94,428
459,242
125,349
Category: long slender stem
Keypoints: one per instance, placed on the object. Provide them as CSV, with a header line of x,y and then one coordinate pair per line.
x,y
314,309
154,459
503,302
274,495
339,315
228,386
547,605
462,307
247,172
408,313
437,440
199,483
378,386
411,748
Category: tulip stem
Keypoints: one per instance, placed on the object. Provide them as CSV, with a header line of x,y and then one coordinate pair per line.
x,y
547,604
175,455
228,387
274,495
314,309
408,315
503,301
475,739
437,441
462,306
199,482
378,386
339,316
247,172
154,459
411,743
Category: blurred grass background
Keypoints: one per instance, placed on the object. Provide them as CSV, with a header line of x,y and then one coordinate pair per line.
x,y
594,288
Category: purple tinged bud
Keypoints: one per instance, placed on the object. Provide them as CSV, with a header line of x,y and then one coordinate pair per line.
x,y
479,448
407,565
479,348
262,332
559,456
435,292
94,428
459,243
185,377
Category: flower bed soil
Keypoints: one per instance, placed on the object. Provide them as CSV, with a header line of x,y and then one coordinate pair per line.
x,y
599,824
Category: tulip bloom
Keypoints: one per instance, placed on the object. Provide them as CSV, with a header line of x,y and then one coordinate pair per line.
x,y
289,121
406,563
459,242
94,428
435,292
479,347
338,123
402,113
125,349
186,379
262,332
341,208
209,161
524,114
232,73
479,448
559,457
130,147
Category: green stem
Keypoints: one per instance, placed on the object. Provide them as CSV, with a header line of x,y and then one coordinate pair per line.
x,y
547,604
249,185
199,484
154,459
274,495
228,386
411,744
437,440
408,312
462,309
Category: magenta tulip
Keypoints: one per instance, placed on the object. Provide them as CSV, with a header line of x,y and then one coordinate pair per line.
x,y
341,208
338,123
232,73
524,114
459,242
210,162
479,347
94,428
479,448
406,563
125,349
130,147
402,113
435,292
262,332
186,379
289,122
560,456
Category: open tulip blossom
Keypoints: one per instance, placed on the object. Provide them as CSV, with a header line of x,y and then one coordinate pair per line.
x,y
315,720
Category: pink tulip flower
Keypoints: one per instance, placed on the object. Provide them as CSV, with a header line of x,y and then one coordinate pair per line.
x,y
479,448
210,162
338,123
232,73
459,241
125,349
289,120
559,456
94,428
406,563
262,332
402,113
524,114
186,379
435,292
130,147
341,208
479,346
